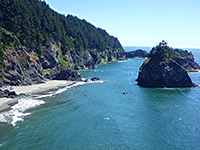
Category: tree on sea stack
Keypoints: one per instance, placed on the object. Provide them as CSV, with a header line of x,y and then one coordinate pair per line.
x,y
161,52
161,70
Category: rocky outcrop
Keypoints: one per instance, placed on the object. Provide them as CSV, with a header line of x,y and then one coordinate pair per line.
x,y
10,94
24,67
21,67
80,59
95,79
62,73
50,56
163,68
188,63
108,57
163,74
137,53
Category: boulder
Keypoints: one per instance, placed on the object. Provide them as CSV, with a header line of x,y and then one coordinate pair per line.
x,y
7,94
87,80
95,79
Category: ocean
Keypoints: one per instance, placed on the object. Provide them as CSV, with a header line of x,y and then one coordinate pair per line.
x,y
98,116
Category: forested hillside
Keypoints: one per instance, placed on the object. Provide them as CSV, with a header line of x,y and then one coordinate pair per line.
x,y
34,24
37,43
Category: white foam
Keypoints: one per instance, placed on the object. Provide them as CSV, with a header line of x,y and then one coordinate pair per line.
x,y
17,112
64,89
122,61
2,144
107,118
100,81
42,96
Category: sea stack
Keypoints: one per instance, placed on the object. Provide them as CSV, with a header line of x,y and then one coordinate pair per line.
x,y
161,70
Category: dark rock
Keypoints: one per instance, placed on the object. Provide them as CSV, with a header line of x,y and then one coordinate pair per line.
x,y
22,67
12,94
7,94
87,80
3,93
137,53
163,74
50,57
95,79
62,73
125,93
121,56
80,60
187,63
166,67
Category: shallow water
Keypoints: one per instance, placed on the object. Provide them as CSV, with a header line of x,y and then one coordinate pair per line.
x,y
99,116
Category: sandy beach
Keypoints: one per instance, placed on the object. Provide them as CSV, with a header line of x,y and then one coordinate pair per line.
x,y
33,89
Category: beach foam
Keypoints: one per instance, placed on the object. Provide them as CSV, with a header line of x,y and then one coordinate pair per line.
x,y
18,111
76,84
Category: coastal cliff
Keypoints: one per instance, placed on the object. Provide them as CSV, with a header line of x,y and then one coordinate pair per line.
x,y
22,67
161,69
47,45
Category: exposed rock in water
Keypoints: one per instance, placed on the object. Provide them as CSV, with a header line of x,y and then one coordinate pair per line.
x,y
187,63
163,74
161,70
95,79
92,79
137,53
87,80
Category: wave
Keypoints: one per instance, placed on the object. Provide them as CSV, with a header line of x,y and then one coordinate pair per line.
x,y
122,61
98,71
18,111
65,88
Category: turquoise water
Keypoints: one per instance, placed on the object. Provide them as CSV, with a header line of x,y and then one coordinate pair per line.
x,y
98,116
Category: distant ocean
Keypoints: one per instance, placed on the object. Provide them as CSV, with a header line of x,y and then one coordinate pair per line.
x,y
99,116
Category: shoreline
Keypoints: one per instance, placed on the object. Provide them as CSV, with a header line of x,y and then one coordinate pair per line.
x,y
6,103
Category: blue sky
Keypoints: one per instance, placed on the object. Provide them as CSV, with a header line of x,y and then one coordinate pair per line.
x,y
140,22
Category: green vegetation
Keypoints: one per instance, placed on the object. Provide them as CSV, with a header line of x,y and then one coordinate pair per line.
x,y
162,52
106,58
64,59
102,60
7,39
47,70
36,25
